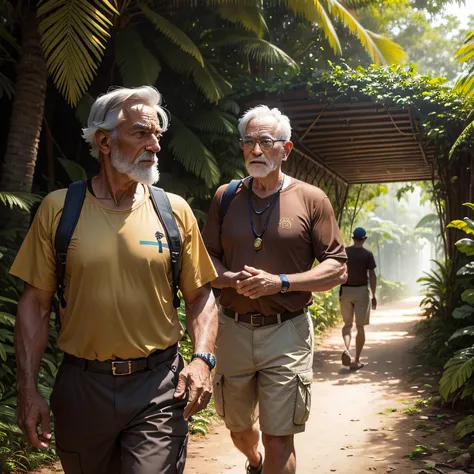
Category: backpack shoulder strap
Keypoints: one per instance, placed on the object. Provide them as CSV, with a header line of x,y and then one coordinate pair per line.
x,y
165,213
227,197
67,223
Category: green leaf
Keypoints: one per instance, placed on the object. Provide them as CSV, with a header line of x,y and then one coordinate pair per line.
x,y
428,219
174,33
464,427
456,372
468,296
467,331
73,37
250,17
192,154
74,170
136,63
466,271
24,201
465,246
465,225
463,312
83,108
470,205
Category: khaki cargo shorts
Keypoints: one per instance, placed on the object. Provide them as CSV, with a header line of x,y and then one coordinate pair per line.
x,y
355,300
264,374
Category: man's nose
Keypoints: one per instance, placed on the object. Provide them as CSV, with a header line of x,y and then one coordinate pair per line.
x,y
257,151
154,145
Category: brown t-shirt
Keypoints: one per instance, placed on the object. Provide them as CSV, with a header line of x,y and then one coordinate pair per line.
x,y
302,228
360,261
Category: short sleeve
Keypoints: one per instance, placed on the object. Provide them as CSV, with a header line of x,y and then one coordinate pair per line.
x,y
211,232
196,265
35,262
326,236
372,264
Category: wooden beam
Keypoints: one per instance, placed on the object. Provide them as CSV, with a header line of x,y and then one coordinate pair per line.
x,y
359,131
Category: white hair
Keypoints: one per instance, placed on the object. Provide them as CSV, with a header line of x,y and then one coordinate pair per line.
x,y
106,111
262,111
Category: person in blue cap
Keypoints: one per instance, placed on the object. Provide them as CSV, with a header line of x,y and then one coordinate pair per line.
x,y
355,298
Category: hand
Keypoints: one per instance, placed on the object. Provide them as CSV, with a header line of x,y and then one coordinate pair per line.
x,y
259,284
195,378
32,411
238,277
374,303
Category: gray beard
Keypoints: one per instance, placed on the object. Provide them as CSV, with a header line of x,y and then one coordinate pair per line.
x,y
135,171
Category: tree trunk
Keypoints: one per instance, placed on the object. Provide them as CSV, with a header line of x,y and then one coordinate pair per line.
x,y
27,116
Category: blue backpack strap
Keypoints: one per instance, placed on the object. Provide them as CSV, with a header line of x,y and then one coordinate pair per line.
x,y
165,213
67,223
227,197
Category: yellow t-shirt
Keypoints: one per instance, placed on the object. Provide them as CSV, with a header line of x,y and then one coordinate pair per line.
x,y
118,277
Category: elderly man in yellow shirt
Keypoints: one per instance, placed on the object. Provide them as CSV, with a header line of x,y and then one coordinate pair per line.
x,y
119,310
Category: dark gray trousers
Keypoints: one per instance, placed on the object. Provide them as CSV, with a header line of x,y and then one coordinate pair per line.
x,y
131,424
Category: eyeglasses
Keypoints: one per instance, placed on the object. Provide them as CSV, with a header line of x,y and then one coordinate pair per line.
x,y
265,144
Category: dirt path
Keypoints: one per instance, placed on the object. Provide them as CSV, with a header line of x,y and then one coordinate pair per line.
x,y
353,427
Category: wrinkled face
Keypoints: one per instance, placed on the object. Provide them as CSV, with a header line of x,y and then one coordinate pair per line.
x,y
136,143
260,163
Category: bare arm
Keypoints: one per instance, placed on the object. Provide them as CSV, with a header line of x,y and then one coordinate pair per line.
x,y
373,287
201,323
31,339
323,277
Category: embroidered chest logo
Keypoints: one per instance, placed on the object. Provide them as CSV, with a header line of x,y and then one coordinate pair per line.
x,y
285,222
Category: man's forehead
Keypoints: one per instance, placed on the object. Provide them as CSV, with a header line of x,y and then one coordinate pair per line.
x,y
262,127
140,113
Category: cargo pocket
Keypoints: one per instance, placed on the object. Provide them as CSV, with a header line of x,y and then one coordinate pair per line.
x,y
71,462
183,451
303,398
219,394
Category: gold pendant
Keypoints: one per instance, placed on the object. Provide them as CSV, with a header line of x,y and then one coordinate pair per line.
x,y
258,243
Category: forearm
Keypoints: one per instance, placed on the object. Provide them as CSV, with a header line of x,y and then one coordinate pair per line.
x,y
323,277
201,321
31,339
373,284
224,275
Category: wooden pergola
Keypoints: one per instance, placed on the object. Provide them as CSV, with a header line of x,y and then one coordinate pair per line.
x,y
338,144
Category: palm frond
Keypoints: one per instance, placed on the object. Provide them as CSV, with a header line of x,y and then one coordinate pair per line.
x,y
24,201
73,37
381,51
212,122
207,79
465,82
83,108
315,13
192,154
249,17
228,105
462,138
174,33
136,63
265,52
392,52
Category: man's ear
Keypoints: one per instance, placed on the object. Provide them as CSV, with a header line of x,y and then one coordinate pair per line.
x,y
288,146
103,141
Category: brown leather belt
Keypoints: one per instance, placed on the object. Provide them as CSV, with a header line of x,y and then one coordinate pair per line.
x,y
258,320
124,367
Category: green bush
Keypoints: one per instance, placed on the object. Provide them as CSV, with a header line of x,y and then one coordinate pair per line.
x,y
390,291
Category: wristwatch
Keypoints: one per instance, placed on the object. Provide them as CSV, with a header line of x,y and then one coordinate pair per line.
x,y
207,357
285,284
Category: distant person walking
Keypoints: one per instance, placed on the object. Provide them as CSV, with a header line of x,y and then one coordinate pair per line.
x,y
355,297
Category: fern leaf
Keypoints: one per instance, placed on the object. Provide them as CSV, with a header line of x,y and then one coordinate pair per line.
x,y
265,52
24,201
136,63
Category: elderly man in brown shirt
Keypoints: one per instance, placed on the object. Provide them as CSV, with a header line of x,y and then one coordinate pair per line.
x,y
264,251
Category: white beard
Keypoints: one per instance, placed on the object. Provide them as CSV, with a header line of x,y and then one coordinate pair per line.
x,y
134,171
261,171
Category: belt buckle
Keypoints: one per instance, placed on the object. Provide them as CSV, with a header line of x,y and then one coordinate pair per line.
x,y
260,319
114,367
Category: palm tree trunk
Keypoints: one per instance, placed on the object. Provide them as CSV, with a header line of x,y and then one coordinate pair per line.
x,y
27,115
